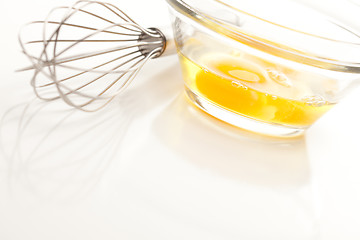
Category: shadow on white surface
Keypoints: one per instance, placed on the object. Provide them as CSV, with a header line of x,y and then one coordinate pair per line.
x,y
57,153
234,179
234,153
151,153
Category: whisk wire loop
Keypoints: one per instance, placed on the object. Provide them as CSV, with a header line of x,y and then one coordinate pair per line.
x,y
82,64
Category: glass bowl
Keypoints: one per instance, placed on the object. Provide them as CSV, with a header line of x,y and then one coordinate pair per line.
x,y
271,67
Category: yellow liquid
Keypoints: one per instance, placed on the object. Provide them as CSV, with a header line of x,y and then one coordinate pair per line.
x,y
228,84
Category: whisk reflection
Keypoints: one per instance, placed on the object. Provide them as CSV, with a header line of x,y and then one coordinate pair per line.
x,y
67,158
61,154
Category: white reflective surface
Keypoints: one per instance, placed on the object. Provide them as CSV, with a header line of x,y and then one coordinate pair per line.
x,y
151,166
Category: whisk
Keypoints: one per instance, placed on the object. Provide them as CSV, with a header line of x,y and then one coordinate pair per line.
x,y
88,52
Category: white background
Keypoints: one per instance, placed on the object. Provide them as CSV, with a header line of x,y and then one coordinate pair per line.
x,y
151,166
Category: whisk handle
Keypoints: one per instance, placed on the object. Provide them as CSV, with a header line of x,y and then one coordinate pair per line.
x,y
170,46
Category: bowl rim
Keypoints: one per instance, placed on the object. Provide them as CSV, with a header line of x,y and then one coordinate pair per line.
x,y
235,33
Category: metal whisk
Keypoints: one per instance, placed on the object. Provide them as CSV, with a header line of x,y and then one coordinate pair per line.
x,y
88,53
